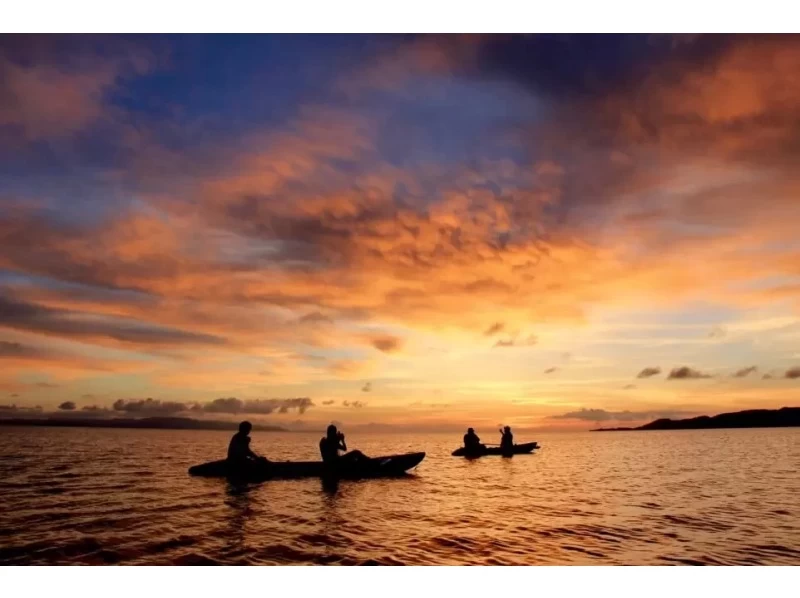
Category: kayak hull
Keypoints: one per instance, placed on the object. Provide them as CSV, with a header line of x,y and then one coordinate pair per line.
x,y
519,449
376,467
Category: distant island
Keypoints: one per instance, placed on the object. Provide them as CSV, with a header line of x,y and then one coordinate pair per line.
x,y
785,417
159,423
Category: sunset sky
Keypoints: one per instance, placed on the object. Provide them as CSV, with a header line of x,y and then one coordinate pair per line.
x,y
543,231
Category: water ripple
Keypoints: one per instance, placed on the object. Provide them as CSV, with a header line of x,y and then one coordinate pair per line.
x,y
683,498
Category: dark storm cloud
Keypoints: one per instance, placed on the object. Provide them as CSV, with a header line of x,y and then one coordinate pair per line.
x,y
686,373
67,406
649,372
38,318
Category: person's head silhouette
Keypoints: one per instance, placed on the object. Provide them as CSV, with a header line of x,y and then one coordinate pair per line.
x,y
470,431
245,427
332,431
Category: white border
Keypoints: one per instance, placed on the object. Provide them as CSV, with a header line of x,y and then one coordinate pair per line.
x,y
421,16
415,582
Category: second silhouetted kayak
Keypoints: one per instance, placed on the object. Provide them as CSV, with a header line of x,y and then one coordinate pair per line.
x,y
375,467
519,449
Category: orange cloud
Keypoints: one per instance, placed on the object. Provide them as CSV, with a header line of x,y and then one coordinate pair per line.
x,y
386,343
51,97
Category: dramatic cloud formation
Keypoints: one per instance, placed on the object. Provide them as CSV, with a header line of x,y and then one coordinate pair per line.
x,y
649,372
744,372
67,406
686,373
426,200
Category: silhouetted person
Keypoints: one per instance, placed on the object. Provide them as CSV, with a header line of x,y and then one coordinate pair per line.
x,y
472,443
332,443
239,453
507,441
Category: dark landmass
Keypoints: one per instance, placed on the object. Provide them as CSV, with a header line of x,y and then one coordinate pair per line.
x,y
785,417
159,423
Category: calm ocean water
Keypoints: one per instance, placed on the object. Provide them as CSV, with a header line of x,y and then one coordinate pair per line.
x,y
86,496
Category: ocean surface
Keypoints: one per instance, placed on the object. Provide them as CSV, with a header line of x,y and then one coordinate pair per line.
x,y
93,496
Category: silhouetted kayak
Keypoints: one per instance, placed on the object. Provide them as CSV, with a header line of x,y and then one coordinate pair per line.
x,y
519,449
375,467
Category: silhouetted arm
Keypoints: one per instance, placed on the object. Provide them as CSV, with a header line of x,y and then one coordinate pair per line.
x,y
249,452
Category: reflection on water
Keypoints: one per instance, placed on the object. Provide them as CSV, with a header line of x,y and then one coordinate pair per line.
x,y
239,513
123,496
